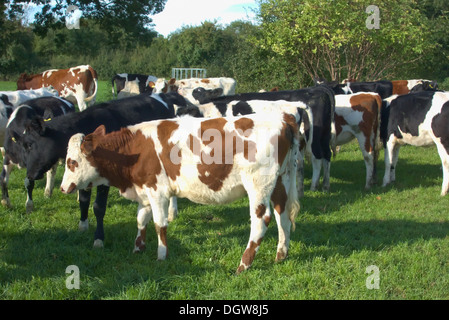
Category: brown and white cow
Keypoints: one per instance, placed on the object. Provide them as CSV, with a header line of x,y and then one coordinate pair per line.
x,y
209,161
358,116
78,84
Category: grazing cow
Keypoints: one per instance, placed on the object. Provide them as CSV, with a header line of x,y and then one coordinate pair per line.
x,y
45,107
357,116
209,161
321,102
401,87
46,142
418,119
132,84
78,84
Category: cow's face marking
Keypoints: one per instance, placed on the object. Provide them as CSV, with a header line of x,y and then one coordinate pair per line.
x,y
71,164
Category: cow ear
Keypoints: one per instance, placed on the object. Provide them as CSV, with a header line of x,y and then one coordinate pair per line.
x,y
172,81
151,84
100,131
87,146
48,114
36,125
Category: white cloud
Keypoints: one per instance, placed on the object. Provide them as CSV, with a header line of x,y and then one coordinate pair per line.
x,y
179,13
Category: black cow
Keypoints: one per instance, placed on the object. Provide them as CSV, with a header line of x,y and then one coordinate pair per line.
x,y
321,101
46,142
132,84
46,107
419,119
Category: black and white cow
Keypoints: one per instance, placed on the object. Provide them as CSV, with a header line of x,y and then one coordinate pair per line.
x,y
418,119
45,107
321,102
46,142
383,87
129,84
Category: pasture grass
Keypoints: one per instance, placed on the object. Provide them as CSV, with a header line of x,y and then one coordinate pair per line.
x,y
402,229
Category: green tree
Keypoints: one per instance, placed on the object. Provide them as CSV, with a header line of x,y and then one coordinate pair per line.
x,y
330,39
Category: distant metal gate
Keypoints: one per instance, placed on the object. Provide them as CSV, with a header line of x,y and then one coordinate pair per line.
x,y
186,73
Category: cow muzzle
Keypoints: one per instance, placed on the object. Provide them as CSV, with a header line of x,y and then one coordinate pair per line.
x,y
70,190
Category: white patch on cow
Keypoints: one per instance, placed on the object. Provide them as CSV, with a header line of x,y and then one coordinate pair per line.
x,y
48,73
158,98
14,114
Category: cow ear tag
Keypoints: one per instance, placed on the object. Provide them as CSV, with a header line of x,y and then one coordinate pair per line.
x,y
48,119
13,139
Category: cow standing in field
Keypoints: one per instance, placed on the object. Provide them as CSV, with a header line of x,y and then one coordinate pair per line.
x,y
45,107
129,84
358,116
418,119
209,161
46,142
78,84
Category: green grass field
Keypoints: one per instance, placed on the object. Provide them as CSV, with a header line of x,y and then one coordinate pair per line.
x,y
402,230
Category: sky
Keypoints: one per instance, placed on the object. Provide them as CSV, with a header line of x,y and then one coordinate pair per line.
x,y
179,13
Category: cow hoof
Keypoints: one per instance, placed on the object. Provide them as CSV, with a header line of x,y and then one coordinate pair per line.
x,y
29,206
98,244
6,203
83,225
47,193
138,249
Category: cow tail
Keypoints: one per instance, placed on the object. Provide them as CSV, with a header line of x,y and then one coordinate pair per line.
x,y
333,141
95,77
308,152
293,205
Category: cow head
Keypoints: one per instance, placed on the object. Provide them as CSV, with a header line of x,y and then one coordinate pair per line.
x,y
79,172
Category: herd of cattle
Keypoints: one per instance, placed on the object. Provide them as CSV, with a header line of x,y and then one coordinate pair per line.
x,y
195,138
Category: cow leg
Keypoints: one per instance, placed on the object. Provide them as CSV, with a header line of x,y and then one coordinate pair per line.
x,y
4,179
159,204
51,175
29,186
368,157
99,211
173,209
84,203
391,158
445,164
326,174
143,217
316,167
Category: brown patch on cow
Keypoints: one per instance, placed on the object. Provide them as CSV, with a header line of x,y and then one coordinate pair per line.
x,y
260,210
140,240
164,131
400,87
124,158
279,196
245,125
215,167
284,140
281,255
72,164
162,233
369,106
249,255
207,81
339,123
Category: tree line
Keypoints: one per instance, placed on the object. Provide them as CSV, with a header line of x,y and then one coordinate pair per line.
x,y
292,42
